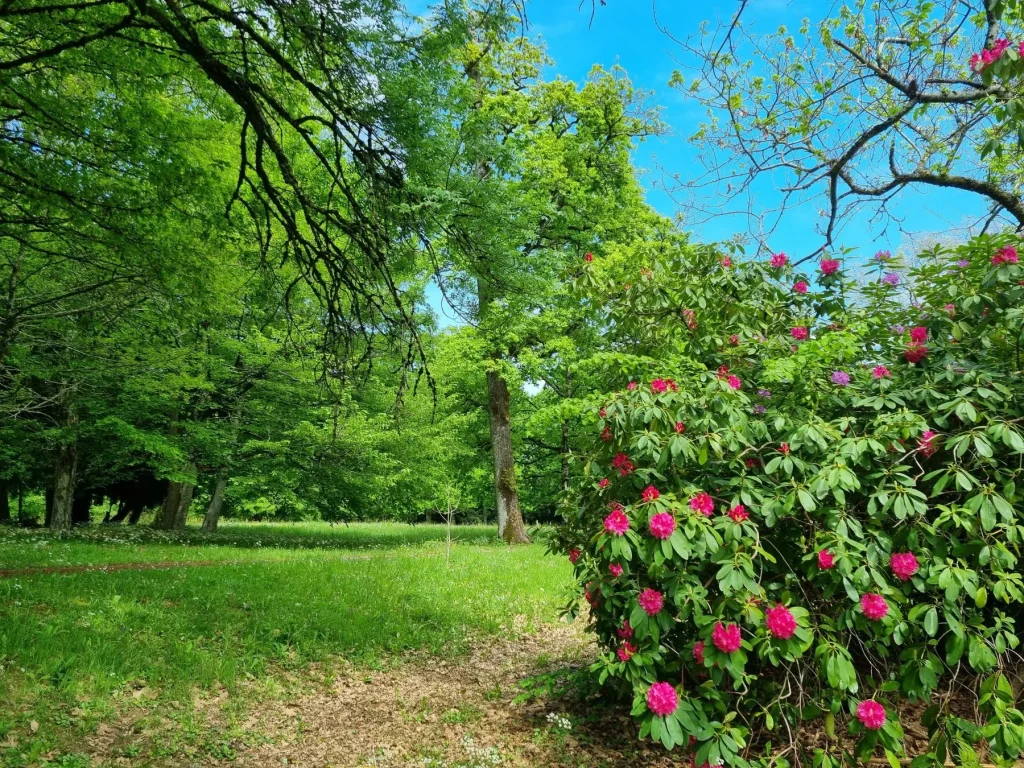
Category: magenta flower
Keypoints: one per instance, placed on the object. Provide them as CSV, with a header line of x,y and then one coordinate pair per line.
x,y
698,652
703,503
574,555
603,483
631,386
780,622
734,382
800,286
588,258
918,335
963,263
662,525
915,353
891,278
738,513
883,256
871,714
1006,255
829,266
726,637
799,333
662,699
625,653
903,564
734,339
625,631
650,493
652,601
726,262
615,570
616,523
840,378
926,444
826,560
874,606
778,260
880,372
680,427
658,386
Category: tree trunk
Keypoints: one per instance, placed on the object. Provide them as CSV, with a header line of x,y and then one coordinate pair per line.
x,y
136,513
216,503
510,518
165,515
181,514
5,504
48,495
64,487
21,504
565,456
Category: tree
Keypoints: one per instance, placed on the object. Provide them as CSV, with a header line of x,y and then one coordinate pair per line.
x,y
872,100
539,166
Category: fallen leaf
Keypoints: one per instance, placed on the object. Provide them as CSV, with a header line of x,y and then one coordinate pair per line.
x,y
34,726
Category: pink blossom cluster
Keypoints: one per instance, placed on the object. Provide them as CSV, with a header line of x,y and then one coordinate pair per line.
x,y
826,560
916,351
662,525
615,570
652,601
698,652
990,56
874,606
622,463
778,260
739,513
1006,255
799,333
625,653
903,564
829,266
616,523
703,503
650,493
871,714
780,621
927,443
662,699
726,637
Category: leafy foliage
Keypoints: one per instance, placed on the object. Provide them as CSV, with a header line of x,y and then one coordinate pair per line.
x,y
817,521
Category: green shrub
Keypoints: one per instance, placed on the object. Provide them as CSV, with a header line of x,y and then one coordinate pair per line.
x,y
863,474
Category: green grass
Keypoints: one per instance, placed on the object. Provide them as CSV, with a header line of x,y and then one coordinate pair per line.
x,y
74,647
100,545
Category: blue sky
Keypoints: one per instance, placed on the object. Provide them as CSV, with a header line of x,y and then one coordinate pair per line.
x,y
624,32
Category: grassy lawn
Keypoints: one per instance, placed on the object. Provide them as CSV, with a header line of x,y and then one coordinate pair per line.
x,y
75,649
97,545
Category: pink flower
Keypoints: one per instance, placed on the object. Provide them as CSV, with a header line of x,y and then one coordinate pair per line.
x,y
631,386
603,483
726,262
589,257
616,523
918,335
680,427
927,443
734,382
734,339
903,564
829,266
672,385
662,699
784,449
883,256
950,309
625,653
698,651
874,606
615,570
799,333
622,463
606,434
652,601
780,622
880,372
800,286
826,560
915,354
703,503
840,378
738,513
871,714
658,386
778,260
574,555
650,493
726,637
1006,255
662,525
625,631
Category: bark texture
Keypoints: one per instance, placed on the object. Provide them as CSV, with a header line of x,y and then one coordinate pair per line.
x,y
216,503
65,470
5,504
510,518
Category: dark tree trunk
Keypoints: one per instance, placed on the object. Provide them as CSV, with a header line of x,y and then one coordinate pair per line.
x,y
181,515
122,513
49,505
165,515
136,514
21,504
81,509
5,503
216,503
64,487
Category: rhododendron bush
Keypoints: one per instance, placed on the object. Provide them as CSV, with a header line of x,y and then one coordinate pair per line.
x,y
804,498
